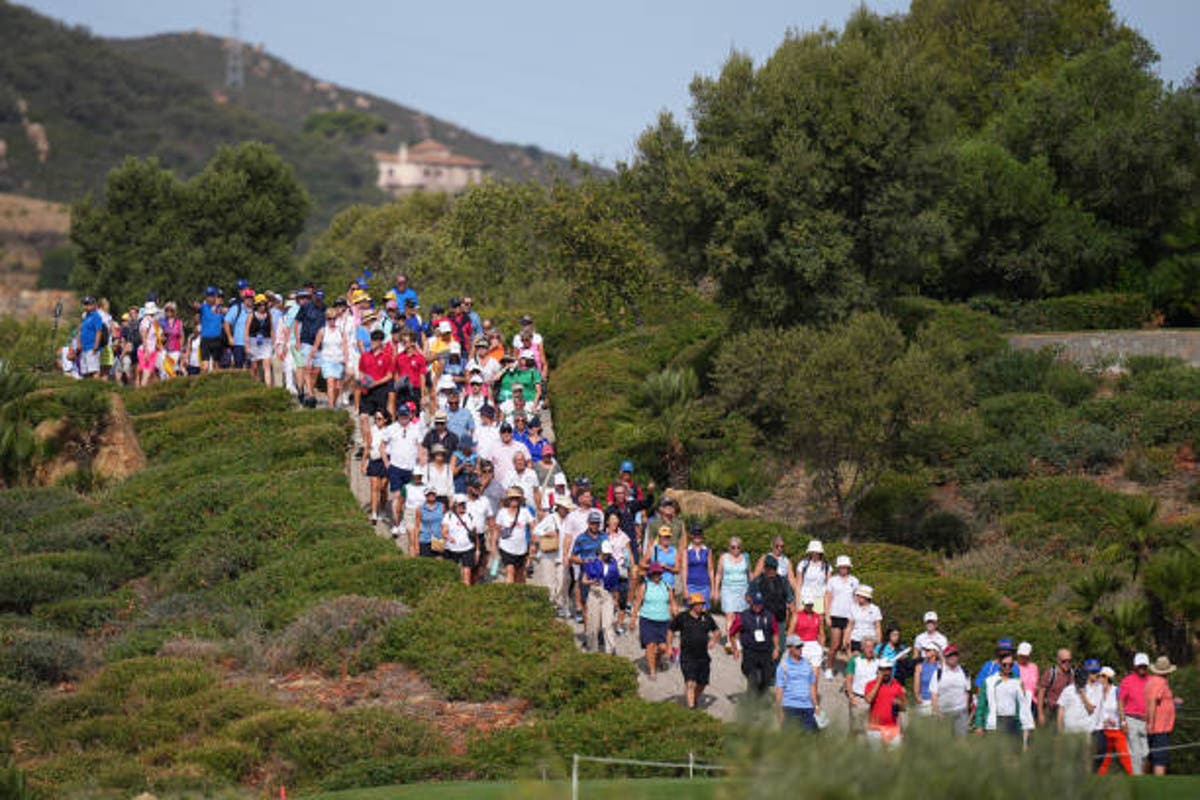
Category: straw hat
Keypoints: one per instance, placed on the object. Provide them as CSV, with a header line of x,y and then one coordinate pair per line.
x,y
1162,666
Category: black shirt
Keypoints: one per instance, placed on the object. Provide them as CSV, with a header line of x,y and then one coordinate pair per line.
x,y
694,634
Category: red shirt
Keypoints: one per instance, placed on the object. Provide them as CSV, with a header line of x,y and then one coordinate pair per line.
x,y
1158,694
883,707
808,624
377,366
411,366
1132,694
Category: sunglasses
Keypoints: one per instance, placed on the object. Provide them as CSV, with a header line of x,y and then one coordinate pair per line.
x,y
735,547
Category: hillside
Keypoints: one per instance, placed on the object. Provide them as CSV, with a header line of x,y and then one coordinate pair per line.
x,y
32,233
286,96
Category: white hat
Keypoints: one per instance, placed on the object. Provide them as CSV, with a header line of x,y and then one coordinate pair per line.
x,y
884,663
1108,672
842,561
476,379
444,326
815,546
564,501
459,498
455,348
1024,649
865,591
1141,660
931,616
150,309
528,353
807,596
445,382
606,547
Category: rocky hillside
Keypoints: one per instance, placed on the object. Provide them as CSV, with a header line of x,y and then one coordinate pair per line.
x,y
30,230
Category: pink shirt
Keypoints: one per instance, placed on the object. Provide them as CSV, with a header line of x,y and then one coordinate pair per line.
x,y
1132,694
1029,677
1158,694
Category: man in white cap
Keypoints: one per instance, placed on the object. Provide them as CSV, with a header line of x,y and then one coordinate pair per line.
x,y
600,577
931,635
885,699
1132,694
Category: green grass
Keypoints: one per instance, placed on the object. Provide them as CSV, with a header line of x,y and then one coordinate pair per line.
x,y
1172,787
647,788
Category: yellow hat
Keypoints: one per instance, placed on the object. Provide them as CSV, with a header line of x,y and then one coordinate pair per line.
x,y
260,298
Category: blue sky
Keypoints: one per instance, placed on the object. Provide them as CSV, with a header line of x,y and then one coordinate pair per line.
x,y
566,76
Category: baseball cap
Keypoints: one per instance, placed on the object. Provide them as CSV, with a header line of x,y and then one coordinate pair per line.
x,y
455,348
431,489
1024,649
770,562
695,598
477,379
459,498
606,547
1141,660
488,411
444,326
88,300
756,599
1091,665
931,616
794,641
595,515
247,292
885,663
807,598
1005,643
505,427
1108,672
403,410
655,568
211,291
626,466
583,481
951,650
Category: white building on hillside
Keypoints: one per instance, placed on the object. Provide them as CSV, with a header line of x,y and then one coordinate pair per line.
x,y
427,166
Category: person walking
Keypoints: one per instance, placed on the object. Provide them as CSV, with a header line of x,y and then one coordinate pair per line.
x,y
1027,668
950,690
1053,682
1074,708
376,464
601,577
732,581
809,626
513,523
861,669
812,573
698,573
653,611
865,618
797,693
839,603
1108,726
755,636
1160,714
698,634
885,700
1132,694
459,536
923,677
1004,705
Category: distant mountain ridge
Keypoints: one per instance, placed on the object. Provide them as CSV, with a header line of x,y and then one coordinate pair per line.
x,y
73,106
288,97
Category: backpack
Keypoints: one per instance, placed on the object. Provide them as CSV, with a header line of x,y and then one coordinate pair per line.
x,y
775,595
802,567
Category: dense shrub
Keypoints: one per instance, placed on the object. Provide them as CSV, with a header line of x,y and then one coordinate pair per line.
x,y
1054,499
333,636
975,333
1080,447
1068,384
1149,465
1012,371
81,614
995,460
1023,415
1144,420
943,532
978,639
959,602
44,656
948,442
15,698
1167,383
1075,312
892,510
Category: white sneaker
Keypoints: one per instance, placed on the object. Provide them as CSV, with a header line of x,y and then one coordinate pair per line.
x,y
395,531
374,518
828,674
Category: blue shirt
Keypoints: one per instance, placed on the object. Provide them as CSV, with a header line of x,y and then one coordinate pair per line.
x,y
408,294
460,422
796,678
587,547
236,317
92,324
431,522
413,323
608,575
991,668
210,322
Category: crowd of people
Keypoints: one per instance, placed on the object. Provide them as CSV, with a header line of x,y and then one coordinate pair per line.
x,y
450,418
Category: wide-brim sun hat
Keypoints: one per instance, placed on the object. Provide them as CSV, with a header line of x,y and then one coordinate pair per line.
x,y
515,493
815,546
1162,666
843,561
865,591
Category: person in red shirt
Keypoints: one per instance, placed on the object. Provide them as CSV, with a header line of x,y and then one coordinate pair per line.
x,y
810,628
1132,698
375,381
885,698
409,374
1160,714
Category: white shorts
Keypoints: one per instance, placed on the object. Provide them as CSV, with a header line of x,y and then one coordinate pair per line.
x,y
89,362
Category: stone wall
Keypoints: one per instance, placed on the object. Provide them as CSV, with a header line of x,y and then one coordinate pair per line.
x,y
1092,348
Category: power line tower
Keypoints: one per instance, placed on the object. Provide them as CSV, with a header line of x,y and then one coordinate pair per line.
x,y
235,71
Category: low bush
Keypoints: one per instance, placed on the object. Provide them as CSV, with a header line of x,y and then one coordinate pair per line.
x,y
1144,420
975,333
1069,384
894,508
1073,312
959,602
334,635
871,559
1012,371
1149,465
948,442
943,532
1140,365
1180,382
229,761
81,614
977,640
40,656
1052,499
1022,415
15,698
1080,447
996,461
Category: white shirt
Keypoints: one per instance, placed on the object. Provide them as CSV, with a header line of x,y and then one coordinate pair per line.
x,y
486,437
458,535
480,511
414,497
864,619
1076,718
404,445
1106,715
502,458
526,481
1009,694
937,639
379,440
864,672
551,524
576,522
535,342
514,542
812,577
951,689
841,601
440,479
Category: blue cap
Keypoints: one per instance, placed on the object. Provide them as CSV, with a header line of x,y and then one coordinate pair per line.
x,y
756,599
1092,665
1004,644
320,293
626,466
211,291
362,283
242,283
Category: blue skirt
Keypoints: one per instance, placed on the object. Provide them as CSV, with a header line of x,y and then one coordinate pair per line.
x,y
652,632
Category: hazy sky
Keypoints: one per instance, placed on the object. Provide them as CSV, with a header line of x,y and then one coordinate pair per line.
x,y
567,76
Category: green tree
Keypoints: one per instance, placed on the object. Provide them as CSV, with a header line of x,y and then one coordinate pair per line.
x,y
858,391
240,217
667,419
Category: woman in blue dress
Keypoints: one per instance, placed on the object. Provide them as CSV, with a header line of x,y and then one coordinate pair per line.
x,y
697,573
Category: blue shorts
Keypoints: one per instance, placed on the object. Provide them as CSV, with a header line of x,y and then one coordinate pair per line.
x,y
304,353
398,478
652,632
333,370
